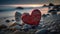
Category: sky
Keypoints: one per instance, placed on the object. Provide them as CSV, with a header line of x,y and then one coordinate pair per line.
x,y
26,3
14,2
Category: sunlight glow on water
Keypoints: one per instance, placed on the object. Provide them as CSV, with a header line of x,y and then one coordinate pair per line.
x,y
24,5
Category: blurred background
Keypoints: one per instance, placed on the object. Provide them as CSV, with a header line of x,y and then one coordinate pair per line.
x,y
11,11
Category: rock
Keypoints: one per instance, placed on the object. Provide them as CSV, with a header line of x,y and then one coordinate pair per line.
x,y
19,8
19,32
7,21
3,26
43,31
17,16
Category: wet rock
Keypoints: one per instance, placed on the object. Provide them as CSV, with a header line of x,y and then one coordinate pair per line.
x,y
7,21
19,32
3,26
43,31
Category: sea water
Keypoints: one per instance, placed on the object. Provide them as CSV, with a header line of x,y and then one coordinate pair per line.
x,y
10,14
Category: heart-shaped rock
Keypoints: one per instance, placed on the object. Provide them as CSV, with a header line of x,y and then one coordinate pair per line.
x,y
32,19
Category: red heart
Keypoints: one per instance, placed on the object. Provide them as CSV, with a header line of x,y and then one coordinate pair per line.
x,y
32,19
